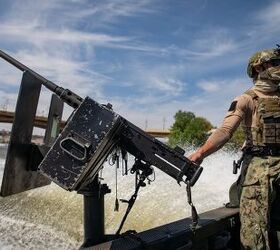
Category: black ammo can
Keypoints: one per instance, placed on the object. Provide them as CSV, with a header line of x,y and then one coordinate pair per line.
x,y
82,147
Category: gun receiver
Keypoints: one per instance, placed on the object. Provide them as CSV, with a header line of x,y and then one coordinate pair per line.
x,y
90,135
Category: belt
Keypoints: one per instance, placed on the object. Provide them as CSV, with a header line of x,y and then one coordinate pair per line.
x,y
262,151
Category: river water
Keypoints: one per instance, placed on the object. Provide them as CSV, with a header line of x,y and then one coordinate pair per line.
x,y
52,218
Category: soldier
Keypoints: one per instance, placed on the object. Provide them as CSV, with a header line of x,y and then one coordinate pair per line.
x,y
259,111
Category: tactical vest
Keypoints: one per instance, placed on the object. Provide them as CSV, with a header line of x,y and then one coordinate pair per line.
x,y
266,130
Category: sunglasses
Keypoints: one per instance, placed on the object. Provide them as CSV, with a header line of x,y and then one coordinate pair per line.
x,y
275,62
271,63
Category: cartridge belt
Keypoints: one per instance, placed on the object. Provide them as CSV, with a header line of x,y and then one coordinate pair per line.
x,y
263,151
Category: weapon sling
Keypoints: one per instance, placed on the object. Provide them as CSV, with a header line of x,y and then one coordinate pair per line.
x,y
195,216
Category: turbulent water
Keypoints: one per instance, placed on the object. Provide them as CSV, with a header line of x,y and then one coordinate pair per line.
x,y
51,218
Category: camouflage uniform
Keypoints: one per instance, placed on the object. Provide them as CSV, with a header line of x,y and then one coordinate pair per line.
x,y
263,171
257,196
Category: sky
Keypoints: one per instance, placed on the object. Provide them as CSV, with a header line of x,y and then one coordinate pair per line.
x,y
148,58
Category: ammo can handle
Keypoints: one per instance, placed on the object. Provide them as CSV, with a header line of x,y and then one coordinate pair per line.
x,y
74,148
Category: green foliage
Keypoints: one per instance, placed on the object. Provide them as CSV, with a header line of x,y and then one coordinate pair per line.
x,y
189,129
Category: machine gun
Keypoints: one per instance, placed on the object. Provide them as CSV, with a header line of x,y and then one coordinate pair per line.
x,y
90,135
91,132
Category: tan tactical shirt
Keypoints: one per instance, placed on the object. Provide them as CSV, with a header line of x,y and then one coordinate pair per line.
x,y
242,109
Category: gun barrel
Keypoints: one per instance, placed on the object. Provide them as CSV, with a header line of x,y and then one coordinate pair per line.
x,y
69,97
48,84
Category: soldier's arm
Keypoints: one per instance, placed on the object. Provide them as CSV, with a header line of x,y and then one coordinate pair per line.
x,y
220,136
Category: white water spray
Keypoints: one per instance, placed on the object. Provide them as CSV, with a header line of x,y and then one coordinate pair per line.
x,y
52,218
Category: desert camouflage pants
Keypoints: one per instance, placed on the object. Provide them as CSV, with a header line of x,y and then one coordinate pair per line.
x,y
256,198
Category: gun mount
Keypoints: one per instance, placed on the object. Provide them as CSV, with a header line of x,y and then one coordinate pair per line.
x,y
73,157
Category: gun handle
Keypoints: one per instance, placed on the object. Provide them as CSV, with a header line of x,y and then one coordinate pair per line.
x,y
196,175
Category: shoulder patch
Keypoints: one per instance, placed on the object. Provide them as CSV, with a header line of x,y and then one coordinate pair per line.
x,y
232,106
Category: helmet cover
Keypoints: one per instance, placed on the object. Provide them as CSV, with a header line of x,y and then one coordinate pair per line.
x,y
261,57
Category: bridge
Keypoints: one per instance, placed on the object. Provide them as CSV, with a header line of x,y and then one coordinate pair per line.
x,y
41,122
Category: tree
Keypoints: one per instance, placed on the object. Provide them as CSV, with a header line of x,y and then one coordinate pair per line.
x,y
189,129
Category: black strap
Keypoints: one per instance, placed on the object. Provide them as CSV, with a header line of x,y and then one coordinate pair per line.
x,y
263,151
116,208
195,216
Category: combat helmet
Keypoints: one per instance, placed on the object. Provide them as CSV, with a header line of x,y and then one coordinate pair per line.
x,y
260,57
